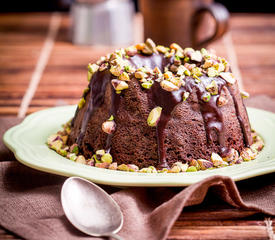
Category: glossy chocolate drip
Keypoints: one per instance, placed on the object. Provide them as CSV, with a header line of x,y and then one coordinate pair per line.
x,y
97,87
240,119
113,111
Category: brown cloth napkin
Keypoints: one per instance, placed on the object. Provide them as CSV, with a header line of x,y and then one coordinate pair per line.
x,y
30,200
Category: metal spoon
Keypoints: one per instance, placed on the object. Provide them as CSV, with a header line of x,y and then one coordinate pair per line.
x,y
90,209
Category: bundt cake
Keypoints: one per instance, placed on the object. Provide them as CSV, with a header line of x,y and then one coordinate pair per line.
x,y
150,105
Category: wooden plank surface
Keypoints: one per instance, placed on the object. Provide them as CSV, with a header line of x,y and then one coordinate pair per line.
x,y
21,39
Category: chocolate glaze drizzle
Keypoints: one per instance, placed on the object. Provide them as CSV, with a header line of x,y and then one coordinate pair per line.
x,y
212,117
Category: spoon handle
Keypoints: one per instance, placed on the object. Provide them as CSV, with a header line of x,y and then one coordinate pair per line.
x,y
115,236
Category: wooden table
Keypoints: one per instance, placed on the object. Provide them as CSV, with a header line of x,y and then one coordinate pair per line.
x,y
40,68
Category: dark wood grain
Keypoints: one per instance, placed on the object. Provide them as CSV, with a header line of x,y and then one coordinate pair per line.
x,y
21,39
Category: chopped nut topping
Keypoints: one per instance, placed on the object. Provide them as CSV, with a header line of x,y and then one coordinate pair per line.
x,y
162,49
154,117
228,76
212,88
124,76
244,94
119,85
196,56
185,96
168,86
81,103
109,127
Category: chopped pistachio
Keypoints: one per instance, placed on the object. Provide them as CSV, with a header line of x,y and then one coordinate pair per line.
x,y
102,165
113,166
168,75
228,76
140,74
206,97
103,67
194,163
196,71
154,116
185,96
212,88
181,70
162,49
140,46
196,56
147,50
217,160
157,70
212,72
176,47
108,127
147,85
232,156
133,167
247,154
119,85
150,44
107,157
74,149
80,159
81,103
115,70
92,68
219,67
204,164
192,169
182,166
123,167
174,169
131,51
99,154
204,52
124,76
72,156
168,86
186,59
56,145
244,94
208,63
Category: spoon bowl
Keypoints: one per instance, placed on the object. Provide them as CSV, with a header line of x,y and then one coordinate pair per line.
x,y
90,209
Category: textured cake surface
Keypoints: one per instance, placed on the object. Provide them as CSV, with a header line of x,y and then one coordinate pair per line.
x,y
198,107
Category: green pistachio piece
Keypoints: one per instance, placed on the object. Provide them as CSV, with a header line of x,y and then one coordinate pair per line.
x,y
204,164
56,145
74,149
113,166
154,117
72,156
206,97
212,88
191,169
92,68
119,85
185,96
196,71
111,118
228,76
217,160
212,72
162,49
81,103
147,85
244,94
124,76
81,159
107,157
123,167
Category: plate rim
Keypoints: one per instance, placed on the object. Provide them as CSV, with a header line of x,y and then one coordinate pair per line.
x,y
140,179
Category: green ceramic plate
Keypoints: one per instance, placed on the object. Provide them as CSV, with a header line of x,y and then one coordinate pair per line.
x,y
27,141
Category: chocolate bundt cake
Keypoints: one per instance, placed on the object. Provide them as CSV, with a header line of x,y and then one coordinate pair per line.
x,y
151,105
